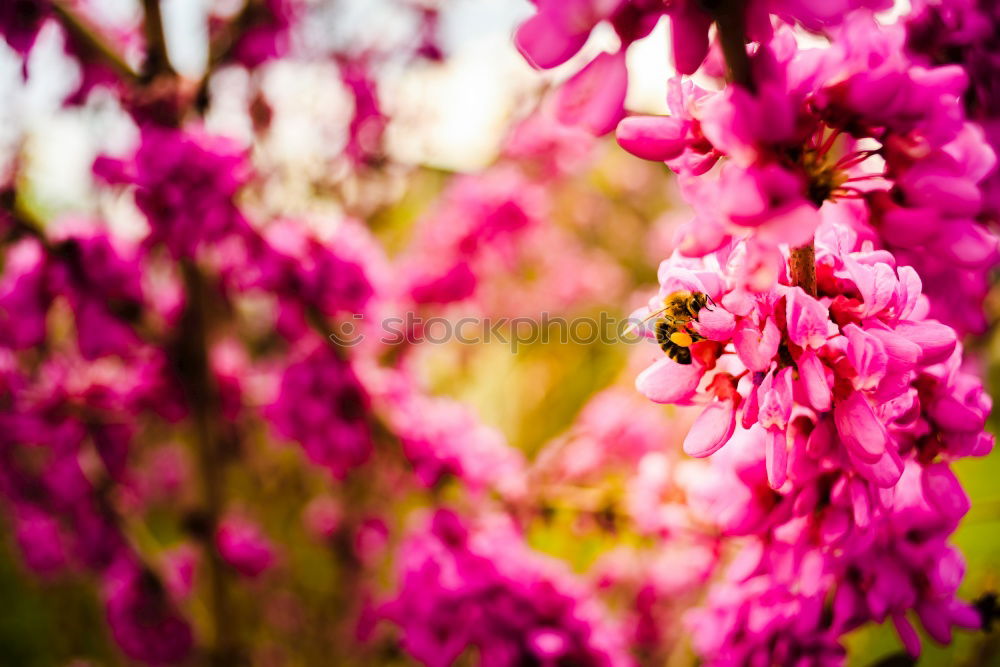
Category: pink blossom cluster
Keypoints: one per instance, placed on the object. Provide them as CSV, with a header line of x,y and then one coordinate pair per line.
x,y
97,274
594,97
442,438
963,33
184,183
322,405
479,216
58,456
856,356
477,587
487,243
855,132
834,399
804,578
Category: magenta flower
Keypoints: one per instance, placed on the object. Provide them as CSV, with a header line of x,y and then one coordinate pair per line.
x,y
594,97
243,546
478,220
143,620
24,295
853,363
41,540
857,132
558,30
20,21
304,271
322,405
368,124
322,517
184,184
267,34
441,437
465,587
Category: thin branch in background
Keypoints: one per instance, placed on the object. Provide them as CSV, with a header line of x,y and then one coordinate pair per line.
x,y
730,20
157,59
221,47
190,359
89,37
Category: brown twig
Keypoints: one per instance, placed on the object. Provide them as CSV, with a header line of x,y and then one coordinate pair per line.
x,y
190,359
221,47
157,59
730,20
802,268
89,37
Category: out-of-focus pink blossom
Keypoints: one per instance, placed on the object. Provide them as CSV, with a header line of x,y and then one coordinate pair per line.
x,y
243,546
20,22
322,517
854,359
536,611
322,405
184,184
179,566
41,541
143,620
441,437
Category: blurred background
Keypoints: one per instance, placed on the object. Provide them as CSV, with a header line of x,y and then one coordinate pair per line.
x,y
458,116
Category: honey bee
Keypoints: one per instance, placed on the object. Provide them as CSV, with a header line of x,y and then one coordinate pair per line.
x,y
673,328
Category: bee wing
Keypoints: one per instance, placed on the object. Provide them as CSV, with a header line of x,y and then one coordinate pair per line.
x,y
636,325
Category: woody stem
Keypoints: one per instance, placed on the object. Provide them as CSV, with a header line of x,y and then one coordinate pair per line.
x,y
730,20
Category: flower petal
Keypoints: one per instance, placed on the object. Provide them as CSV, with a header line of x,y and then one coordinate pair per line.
x,y
813,380
667,381
776,457
594,98
808,319
936,340
860,429
713,429
756,349
653,137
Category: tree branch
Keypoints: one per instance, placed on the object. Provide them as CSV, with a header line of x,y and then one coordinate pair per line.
x,y
730,21
802,268
89,37
157,60
190,359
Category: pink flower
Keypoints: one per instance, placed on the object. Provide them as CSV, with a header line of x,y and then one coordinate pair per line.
x,y
243,546
24,295
559,29
40,539
184,184
322,405
20,22
480,218
443,438
179,565
713,429
467,587
857,120
143,620
368,124
847,368
322,517
266,36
